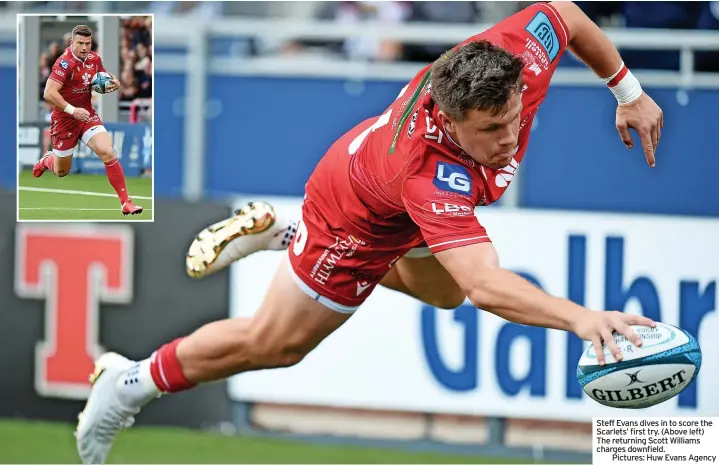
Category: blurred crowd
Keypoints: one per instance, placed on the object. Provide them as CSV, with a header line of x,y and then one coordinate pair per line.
x,y
649,14
135,71
659,15
136,58
664,15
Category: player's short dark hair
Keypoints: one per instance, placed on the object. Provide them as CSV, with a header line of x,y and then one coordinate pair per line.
x,y
478,75
82,30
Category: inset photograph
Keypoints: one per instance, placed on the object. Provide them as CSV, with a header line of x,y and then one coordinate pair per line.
x,y
85,124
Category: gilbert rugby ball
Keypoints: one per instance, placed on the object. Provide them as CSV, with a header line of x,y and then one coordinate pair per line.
x,y
100,82
666,363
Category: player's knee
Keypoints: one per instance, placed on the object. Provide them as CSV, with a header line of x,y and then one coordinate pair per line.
x,y
279,356
448,299
61,172
106,154
288,355
277,352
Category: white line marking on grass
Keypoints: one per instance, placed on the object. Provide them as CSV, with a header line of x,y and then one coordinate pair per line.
x,y
64,191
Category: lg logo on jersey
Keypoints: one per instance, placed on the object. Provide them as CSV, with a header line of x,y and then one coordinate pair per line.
x,y
454,178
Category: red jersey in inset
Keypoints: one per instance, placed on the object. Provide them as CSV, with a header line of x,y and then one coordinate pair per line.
x,y
75,75
410,183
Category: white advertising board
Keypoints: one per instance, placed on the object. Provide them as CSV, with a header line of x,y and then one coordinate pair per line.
x,y
396,353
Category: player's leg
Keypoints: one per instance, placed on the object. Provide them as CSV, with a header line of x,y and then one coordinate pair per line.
x,y
417,274
58,162
291,322
64,135
288,325
420,275
97,138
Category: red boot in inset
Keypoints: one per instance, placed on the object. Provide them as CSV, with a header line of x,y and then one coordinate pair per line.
x,y
41,166
129,208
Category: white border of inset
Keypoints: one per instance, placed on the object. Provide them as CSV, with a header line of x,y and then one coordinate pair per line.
x,y
150,210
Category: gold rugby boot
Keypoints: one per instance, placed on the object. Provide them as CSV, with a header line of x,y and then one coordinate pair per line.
x,y
253,227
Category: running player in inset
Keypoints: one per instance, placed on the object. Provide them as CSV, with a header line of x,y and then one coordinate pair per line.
x,y
392,202
74,119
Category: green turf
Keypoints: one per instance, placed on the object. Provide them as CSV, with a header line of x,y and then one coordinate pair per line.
x,y
57,205
44,442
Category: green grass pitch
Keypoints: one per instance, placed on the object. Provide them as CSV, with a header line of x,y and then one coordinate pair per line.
x,y
81,197
45,442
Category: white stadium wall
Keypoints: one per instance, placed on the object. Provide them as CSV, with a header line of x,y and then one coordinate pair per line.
x,y
397,354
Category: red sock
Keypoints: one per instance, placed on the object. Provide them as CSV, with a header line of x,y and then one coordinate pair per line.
x,y
49,163
166,370
117,179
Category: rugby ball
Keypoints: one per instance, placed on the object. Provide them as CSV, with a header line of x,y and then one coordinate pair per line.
x,y
100,82
666,363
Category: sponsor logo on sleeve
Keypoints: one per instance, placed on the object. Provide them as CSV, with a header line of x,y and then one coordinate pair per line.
x,y
453,178
536,52
64,64
534,67
448,209
541,28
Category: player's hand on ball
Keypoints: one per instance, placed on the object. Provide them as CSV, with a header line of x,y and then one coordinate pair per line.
x,y
81,114
114,85
599,326
645,117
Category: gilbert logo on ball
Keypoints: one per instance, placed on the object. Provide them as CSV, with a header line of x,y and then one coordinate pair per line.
x,y
666,363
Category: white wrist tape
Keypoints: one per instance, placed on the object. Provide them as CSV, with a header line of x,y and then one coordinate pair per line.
x,y
624,85
69,109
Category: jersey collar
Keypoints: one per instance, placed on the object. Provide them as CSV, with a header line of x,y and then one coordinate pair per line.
x,y
452,141
434,110
75,56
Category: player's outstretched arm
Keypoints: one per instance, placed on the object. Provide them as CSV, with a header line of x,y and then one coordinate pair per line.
x,y
53,97
476,270
636,109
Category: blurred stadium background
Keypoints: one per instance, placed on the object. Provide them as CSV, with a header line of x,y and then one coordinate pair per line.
x,y
606,231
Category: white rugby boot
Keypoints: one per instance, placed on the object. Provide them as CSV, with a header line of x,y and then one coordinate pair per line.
x,y
104,414
253,228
